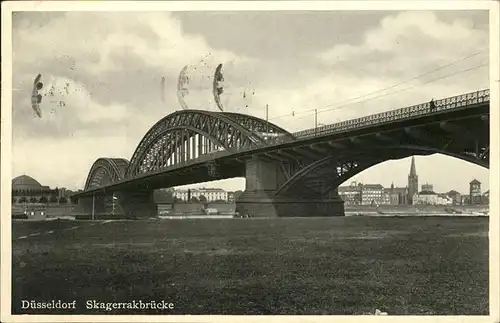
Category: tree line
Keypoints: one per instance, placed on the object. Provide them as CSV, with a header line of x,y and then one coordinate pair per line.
x,y
43,199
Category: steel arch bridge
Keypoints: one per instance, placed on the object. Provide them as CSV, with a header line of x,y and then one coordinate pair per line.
x,y
284,171
106,171
183,136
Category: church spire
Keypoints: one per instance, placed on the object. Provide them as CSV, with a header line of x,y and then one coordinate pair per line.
x,y
413,171
412,181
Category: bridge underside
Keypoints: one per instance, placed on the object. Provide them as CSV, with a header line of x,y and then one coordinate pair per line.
x,y
302,180
263,179
135,199
129,204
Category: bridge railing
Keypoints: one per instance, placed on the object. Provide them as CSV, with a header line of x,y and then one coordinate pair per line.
x,y
399,114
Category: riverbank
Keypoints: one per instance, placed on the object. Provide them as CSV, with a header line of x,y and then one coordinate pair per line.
x,y
418,210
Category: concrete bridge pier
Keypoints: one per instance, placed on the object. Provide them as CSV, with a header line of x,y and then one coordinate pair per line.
x,y
136,203
263,178
84,205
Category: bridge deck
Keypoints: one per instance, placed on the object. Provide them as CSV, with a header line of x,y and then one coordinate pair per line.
x,y
440,109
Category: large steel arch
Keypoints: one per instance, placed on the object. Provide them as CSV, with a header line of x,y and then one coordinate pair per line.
x,y
345,165
258,125
220,129
106,171
162,147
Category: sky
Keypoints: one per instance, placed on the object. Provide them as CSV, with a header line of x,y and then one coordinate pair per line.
x,y
102,75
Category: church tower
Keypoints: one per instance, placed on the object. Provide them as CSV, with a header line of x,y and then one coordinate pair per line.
x,y
412,181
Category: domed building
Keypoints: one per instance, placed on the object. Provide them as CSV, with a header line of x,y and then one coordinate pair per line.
x,y
26,188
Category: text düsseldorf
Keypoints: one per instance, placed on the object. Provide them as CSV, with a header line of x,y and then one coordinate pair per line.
x,y
48,305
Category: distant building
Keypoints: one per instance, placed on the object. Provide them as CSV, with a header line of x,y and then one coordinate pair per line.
x,y
412,181
427,187
389,198
26,189
486,197
431,198
455,196
202,194
351,195
396,195
183,195
475,192
372,194
214,194
402,193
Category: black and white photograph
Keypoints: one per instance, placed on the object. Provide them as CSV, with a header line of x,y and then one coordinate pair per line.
x,y
270,158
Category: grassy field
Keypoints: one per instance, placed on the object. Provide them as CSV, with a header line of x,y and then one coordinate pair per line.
x,y
348,265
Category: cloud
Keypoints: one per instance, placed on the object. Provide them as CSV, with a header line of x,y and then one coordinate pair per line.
x,y
118,64
403,46
65,161
105,72
418,37
113,62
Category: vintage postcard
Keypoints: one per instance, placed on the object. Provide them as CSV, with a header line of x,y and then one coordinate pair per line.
x,y
244,161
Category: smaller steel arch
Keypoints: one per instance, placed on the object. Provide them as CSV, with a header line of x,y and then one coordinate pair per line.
x,y
323,162
112,168
400,151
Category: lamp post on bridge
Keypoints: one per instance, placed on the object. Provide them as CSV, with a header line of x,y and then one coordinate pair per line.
x,y
113,205
319,124
267,118
93,206
315,121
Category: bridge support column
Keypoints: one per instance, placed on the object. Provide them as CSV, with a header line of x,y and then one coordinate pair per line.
x,y
88,205
263,178
136,203
84,205
266,204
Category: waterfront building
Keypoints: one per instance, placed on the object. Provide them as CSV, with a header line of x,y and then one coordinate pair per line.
x,y
372,194
351,195
26,189
202,194
431,198
391,196
455,196
475,192
486,197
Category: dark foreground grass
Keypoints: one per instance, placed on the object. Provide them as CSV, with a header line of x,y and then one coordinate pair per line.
x,y
25,228
351,265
